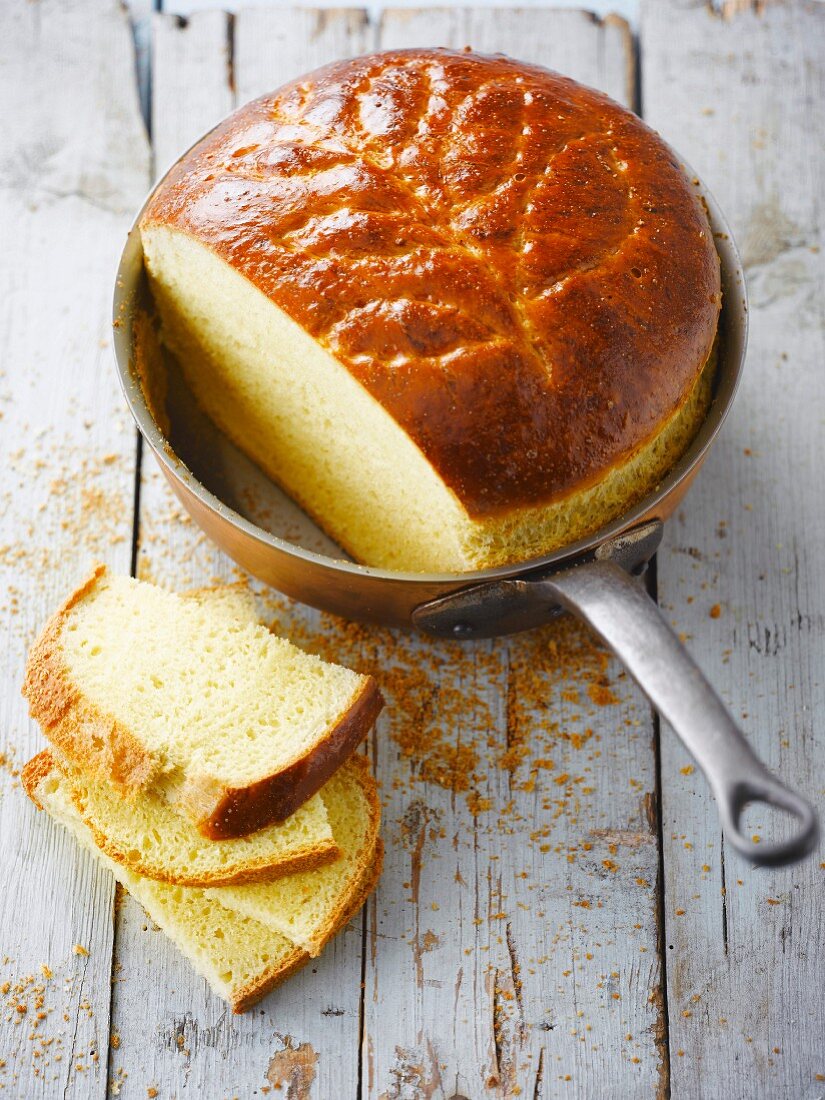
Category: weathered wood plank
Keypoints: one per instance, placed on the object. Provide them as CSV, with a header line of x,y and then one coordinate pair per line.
x,y
175,1036
75,162
276,45
742,98
191,81
515,946
595,51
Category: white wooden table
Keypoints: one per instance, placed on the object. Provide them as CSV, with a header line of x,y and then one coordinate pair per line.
x,y
566,922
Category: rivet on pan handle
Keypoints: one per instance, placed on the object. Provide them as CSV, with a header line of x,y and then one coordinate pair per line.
x,y
632,626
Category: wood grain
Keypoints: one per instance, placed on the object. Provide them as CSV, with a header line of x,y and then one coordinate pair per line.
x,y
191,81
73,166
743,98
596,51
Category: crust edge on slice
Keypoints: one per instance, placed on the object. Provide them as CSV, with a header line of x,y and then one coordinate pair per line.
x,y
224,812
370,864
249,996
307,858
240,999
365,874
77,728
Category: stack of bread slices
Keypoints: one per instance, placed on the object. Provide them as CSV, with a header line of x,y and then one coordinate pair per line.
x,y
211,766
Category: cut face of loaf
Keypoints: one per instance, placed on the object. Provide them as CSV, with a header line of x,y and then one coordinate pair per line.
x,y
152,691
241,958
150,838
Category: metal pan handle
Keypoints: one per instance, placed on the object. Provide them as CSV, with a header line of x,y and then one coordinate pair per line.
x,y
630,624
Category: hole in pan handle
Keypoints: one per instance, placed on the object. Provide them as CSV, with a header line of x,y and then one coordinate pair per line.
x,y
629,622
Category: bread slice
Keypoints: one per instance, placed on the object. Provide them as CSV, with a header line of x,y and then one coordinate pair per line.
x,y
147,836
236,601
152,691
150,838
241,958
302,907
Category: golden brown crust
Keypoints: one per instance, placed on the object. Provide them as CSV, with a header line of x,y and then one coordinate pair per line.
x,y
238,812
370,860
260,870
248,995
41,765
373,867
514,266
361,889
84,734
33,774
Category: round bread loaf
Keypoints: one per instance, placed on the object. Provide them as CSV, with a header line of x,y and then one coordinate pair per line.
x,y
462,308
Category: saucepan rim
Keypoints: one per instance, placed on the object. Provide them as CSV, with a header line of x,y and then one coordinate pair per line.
x,y
733,317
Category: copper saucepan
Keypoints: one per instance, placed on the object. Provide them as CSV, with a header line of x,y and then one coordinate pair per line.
x,y
258,526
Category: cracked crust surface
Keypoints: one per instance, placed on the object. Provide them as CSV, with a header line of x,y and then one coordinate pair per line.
x,y
514,266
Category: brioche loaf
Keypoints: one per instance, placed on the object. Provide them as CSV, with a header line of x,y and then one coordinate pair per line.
x,y
151,691
461,308
241,958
